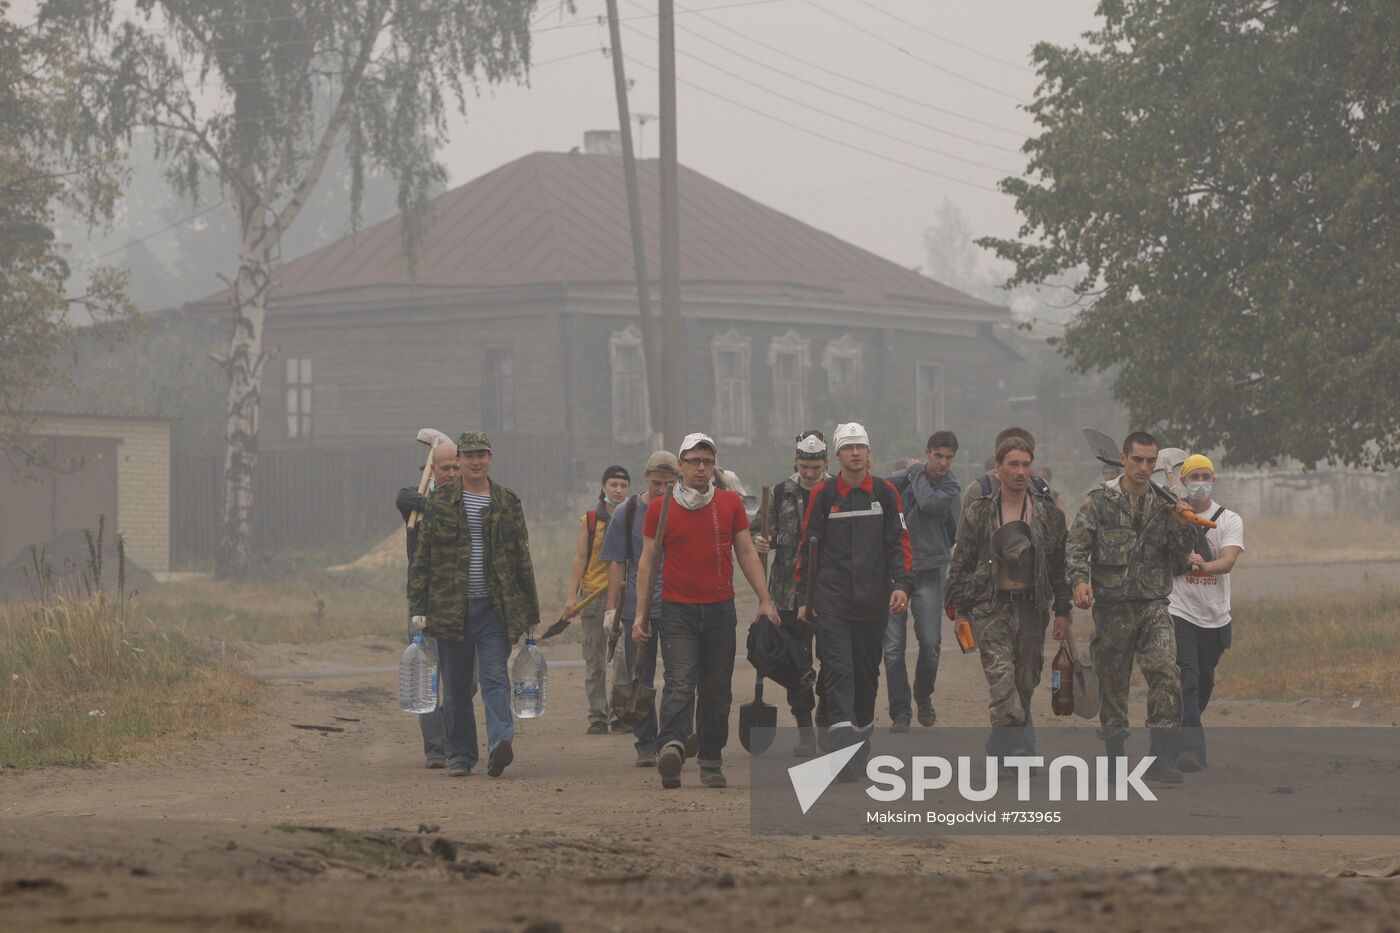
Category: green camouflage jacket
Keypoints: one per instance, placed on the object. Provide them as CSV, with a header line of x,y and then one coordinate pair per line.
x,y
1121,563
788,507
972,577
437,577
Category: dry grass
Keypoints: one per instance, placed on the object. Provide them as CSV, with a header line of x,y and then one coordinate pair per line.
x,y
81,683
1342,646
306,605
1271,540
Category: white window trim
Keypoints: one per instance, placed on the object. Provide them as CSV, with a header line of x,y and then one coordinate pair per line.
x,y
300,393
789,343
846,348
733,341
630,336
934,420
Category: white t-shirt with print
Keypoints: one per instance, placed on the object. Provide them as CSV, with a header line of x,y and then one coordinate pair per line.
x,y
1203,599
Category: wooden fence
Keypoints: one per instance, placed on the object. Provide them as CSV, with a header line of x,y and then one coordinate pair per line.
x,y
316,497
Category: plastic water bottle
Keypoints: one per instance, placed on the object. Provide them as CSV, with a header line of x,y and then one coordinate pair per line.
x,y
418,675
529,681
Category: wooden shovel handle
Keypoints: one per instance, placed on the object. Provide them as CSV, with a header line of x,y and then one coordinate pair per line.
x,y
422,490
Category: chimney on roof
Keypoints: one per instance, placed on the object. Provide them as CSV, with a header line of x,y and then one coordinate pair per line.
x,y
602,142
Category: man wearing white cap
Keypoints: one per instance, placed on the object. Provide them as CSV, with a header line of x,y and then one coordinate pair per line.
x,y
864,571
706,528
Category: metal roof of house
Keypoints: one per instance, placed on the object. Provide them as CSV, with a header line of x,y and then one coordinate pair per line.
x,y
560,219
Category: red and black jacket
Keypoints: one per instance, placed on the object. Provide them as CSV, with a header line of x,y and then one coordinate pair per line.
x,y
864,552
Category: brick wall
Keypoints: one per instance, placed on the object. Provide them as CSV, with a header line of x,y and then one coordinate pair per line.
x,y
143,479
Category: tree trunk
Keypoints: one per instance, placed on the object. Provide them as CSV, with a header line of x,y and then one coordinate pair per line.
x,y
243,368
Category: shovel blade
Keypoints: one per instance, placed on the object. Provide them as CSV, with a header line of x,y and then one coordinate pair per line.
x,y
1103,446
555,629
758,722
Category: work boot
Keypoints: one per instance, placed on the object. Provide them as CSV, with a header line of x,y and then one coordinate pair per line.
x,y
1162,770
901,724
501,756
927,715
669,766
456,771
597,728
1191,761
436,764
646,758
692,746
712,777
1113,748
618,728
806,746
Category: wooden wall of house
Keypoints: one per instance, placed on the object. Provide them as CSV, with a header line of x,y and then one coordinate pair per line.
x,y
974,405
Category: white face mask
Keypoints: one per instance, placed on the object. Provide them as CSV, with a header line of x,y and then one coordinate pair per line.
x,y
1199,492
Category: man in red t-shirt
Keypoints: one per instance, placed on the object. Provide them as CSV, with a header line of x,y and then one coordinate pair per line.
x,y
706,528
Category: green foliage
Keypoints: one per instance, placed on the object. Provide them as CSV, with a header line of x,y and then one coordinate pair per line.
x,y
38,173
1226,175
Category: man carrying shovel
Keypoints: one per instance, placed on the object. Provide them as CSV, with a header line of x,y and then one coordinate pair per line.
x,y
864,571
622,548
706,529
788,507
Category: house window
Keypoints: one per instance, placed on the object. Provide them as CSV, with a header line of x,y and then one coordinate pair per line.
x,y
631,414
842,362
930,397
730,355
498,390
299,398
787,360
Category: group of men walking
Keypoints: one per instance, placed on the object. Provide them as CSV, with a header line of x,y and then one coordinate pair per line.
x,y
854,558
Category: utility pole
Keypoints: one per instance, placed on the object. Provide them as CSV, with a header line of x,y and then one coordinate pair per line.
x,y
670,230
651,345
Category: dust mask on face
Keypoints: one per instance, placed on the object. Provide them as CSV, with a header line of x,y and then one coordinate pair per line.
x,y
1199,492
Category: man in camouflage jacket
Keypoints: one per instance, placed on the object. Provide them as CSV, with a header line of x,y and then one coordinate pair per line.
x,y
476,609
1123,550
788,508
1009,620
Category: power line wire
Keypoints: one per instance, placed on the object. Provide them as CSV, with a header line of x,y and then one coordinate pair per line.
x,y
918,58
834,116
941,38
1020,134
837,93
818,134
708,9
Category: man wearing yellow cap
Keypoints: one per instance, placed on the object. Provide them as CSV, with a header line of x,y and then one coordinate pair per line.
x,y
1200,607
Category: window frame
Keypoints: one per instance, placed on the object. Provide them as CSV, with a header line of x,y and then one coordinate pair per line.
x,y
627,430
731,341
298,398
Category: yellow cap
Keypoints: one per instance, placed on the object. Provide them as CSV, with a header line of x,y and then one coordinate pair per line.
x,y
1195,462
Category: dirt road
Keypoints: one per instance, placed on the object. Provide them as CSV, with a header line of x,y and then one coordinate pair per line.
x,y
284,828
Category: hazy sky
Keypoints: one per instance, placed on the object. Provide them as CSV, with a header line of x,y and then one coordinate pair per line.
x,y
881,103
879,199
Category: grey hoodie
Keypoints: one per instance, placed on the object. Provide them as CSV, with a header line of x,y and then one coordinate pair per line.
x,y
931,510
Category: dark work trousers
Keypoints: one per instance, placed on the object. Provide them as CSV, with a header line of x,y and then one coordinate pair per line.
x,y
645,734
1198,651
802,700
850,654
698,641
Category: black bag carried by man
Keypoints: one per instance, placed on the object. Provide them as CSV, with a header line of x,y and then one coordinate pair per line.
x,y
779,655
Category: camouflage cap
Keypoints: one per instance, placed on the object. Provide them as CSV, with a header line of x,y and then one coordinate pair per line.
x,y
473,440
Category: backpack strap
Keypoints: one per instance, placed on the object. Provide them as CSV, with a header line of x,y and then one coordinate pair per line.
x,y
630,517
985,481
592,517
1218,512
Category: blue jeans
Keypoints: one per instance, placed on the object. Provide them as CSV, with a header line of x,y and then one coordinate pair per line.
x,y
698,641
1198,651
485,646
645,734
926,606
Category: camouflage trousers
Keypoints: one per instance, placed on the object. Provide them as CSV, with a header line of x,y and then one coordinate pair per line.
x,y
1011,641
1123,630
